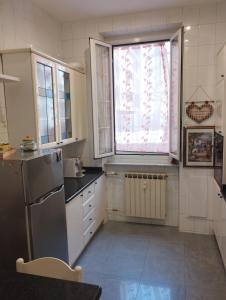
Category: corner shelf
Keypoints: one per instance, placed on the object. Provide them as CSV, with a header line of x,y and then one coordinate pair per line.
x,y
8,78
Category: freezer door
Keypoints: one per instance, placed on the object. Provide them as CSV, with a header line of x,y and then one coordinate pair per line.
x,y
42,175
48,227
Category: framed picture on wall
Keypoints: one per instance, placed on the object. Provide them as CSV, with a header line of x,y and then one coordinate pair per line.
x,y
198,146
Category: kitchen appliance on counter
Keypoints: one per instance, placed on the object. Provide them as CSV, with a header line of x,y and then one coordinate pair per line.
x,y
73,167
32,208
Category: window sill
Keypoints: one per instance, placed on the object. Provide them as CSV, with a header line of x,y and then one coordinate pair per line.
x,y
140,160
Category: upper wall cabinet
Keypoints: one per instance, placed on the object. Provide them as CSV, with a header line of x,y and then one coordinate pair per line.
x,y
45,103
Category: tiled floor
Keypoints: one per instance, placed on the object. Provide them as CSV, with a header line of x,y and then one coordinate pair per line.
x,y
144,262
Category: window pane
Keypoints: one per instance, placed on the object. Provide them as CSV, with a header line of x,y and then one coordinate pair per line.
x,y
141,90
46,107
104,99
64,104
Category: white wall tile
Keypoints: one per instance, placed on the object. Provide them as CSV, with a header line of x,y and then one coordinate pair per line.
x,y
123,22
186,224
207,14
67,31
191,36
79,30
206,34
190,15
206,55
143,20
191,75
68,49
190,56
221,33
105,24
158,17
91,28
174,15
221,12
206,75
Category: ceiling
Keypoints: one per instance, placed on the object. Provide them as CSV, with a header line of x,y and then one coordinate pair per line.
x,y
68,10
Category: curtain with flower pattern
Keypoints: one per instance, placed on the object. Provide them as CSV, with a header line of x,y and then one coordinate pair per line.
x,y
141,91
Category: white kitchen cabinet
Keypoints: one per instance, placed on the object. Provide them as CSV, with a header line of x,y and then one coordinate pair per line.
x,y
74,228
219,220
45,103
223,230
100,195
197,196
84,214
216,198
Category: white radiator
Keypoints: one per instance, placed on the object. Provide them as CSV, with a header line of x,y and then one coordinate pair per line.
x,y
145,195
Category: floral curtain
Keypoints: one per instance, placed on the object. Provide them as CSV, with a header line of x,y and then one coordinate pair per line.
x,y
141,91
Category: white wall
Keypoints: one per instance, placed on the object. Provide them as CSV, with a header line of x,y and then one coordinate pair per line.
x,y
201,43
23,24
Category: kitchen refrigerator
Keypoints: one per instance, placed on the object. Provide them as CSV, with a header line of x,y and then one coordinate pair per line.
x,y
32,207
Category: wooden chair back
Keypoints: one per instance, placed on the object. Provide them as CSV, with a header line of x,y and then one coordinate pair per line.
x,y
49,267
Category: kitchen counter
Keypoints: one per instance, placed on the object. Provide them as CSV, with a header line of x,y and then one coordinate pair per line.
x,y
74,186
19,286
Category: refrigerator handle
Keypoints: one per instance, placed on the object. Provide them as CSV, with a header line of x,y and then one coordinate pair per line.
x,y
42,200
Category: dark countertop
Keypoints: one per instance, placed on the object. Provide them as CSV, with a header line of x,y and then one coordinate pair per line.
x,y
74,186
18,286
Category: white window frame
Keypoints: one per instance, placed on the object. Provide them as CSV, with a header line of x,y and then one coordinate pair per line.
x,y
178,35
93,44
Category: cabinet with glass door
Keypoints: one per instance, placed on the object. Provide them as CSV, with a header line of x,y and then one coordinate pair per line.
x,y
47,103
54,102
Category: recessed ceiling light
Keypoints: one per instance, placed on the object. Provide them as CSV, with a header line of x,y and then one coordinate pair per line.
x,y
186,41
188,28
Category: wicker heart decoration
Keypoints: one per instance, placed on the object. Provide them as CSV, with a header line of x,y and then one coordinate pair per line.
x,y
199,113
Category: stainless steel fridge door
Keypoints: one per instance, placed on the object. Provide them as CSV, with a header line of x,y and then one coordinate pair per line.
x,y
48,227
42,175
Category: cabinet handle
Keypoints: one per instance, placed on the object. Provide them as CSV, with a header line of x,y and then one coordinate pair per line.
x,y
91,232
90,205
90,219
89,192
218,194
222,75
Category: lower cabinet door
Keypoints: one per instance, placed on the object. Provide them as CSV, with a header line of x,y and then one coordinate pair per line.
x,y
89,232
100,200
223,231
74,228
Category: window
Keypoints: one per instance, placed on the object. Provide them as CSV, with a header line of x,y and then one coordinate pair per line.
x,y
147,92
141,97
